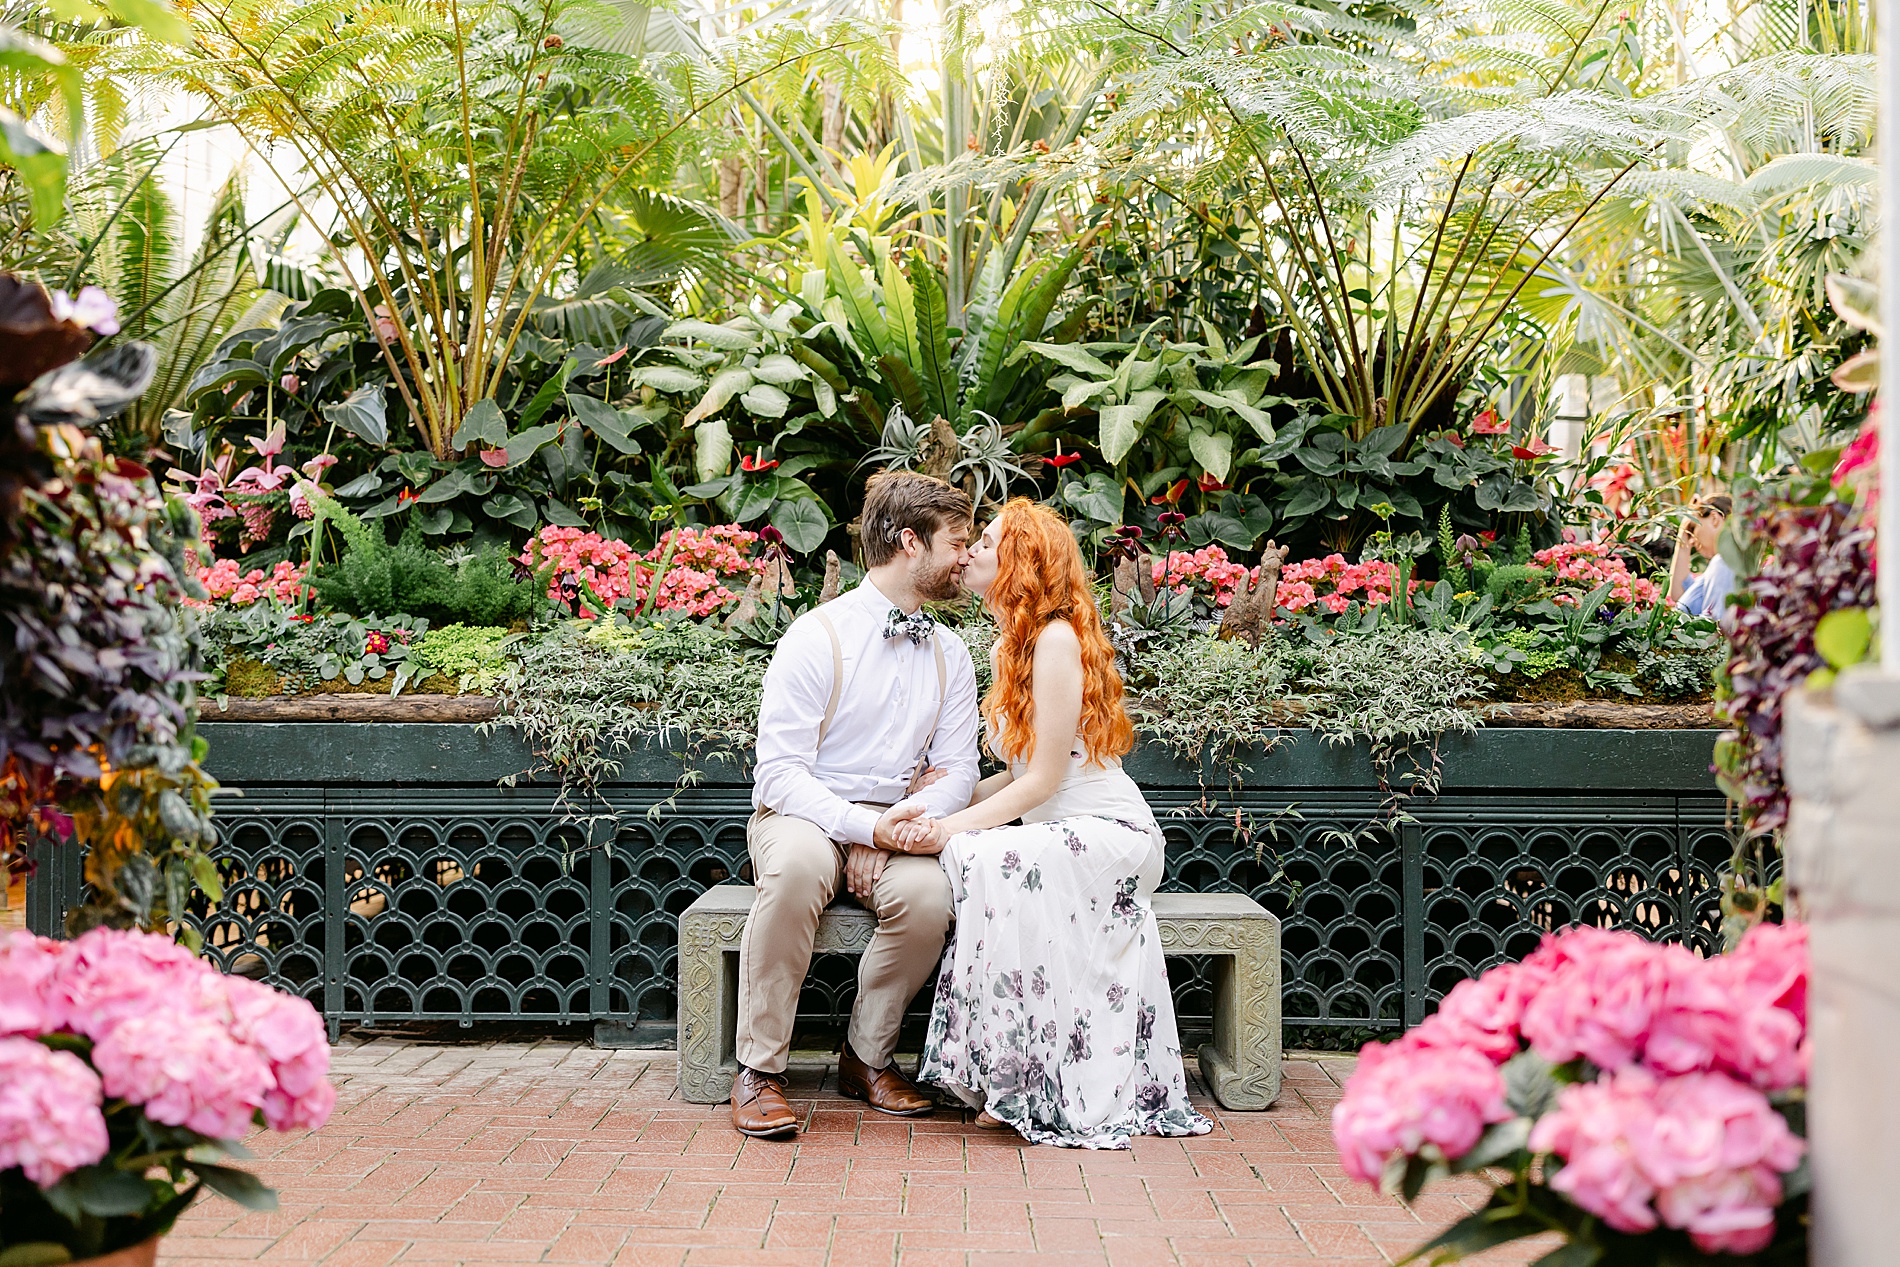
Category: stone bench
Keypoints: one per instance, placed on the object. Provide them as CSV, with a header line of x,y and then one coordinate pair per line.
x,y
1241,1065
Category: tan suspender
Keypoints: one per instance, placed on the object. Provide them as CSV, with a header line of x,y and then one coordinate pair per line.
x,y
837,690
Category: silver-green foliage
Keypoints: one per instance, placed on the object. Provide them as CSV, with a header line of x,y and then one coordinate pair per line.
x,y
585,696
1394,685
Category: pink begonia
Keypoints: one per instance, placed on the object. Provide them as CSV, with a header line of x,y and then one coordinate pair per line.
x,y
227,581
1399,1101
1708,1151
1588,564
701,559
27,965
50,1121
1335,584
1604,989
1208,567
184,1071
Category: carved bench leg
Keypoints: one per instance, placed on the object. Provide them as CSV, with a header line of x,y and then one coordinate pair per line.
x,y
1242,1064
708,1007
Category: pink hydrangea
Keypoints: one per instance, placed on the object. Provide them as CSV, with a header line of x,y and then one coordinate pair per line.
x,y
1582,566
1398,1101
1208,569
27,1003
1483,1013
184,1071
109,976
289,1034
50,1121
1706,1150
1603,991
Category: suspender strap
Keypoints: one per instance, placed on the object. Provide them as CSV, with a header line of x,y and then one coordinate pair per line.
x,y
837,678
837,690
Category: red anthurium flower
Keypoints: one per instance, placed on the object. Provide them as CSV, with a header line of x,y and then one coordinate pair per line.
x,y
1488,535
1535,449
1208,484
406,496
1488,424
1060,460
756,463
1172,496
496,458
609,360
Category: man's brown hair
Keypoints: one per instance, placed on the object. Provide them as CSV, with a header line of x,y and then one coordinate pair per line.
x,y
896,500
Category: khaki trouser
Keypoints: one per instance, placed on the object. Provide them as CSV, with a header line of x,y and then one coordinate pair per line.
x,y
797,871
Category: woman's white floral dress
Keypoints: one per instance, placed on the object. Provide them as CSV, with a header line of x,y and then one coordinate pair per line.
x,y
1053,1008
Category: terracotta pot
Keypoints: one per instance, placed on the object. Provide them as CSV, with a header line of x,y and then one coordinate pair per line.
x,y
141,1255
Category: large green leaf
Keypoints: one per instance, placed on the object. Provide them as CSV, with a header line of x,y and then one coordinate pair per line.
x,y
725,338
726,384
1214,450
1121,424
525,444
803,522
671,379
1022,314
779,370
1226,402
712,448
935,370
766,401
900,305
603,420
240,1186
1073,355
361,414
483,423
854,292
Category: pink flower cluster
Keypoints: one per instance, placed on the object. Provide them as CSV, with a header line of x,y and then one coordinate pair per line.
x,y
1333,583
190,1046
1588,564
1699,1152
1677,1130
228,582
703,557
1208,567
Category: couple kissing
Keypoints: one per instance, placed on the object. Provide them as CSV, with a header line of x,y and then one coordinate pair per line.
x,y
1052,1014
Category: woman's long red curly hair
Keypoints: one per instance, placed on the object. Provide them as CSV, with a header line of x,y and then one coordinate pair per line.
x,y
1040,579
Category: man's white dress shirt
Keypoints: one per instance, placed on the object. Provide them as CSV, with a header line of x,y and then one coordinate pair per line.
x,y
883,720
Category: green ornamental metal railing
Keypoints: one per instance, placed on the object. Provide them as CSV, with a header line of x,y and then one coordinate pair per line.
x,y
381,872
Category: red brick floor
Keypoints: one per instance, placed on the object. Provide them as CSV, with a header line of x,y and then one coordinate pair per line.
x,y
532,1152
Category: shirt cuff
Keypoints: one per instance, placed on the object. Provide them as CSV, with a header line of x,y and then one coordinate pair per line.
x,y
860,825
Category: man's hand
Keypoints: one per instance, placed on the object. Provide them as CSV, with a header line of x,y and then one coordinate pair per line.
x,y
884,835
862,866
922,836
924,777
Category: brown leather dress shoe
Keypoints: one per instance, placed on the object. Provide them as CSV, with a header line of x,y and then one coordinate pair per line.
x,y
887,1090
758,1105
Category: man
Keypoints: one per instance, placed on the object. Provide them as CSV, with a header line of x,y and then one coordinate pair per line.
x,y
863,695
1705,593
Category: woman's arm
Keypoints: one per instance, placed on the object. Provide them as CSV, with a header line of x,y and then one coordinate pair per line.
x,y
1679,561
990,786
1056,689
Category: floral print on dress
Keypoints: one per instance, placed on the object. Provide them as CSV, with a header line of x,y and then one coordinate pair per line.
x,y
1053,1009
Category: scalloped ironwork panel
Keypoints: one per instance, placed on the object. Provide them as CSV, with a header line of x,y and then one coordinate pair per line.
x,y
468,904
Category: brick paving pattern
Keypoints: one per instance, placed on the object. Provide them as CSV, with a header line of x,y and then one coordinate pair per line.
x,y
532,1152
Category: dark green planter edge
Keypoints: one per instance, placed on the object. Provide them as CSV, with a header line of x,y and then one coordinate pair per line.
x,y
290,754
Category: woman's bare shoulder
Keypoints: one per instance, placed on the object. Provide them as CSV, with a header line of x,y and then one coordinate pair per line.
x,y
1058,639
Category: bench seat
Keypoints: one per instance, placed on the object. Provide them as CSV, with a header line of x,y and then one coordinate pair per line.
x,y
1241,1064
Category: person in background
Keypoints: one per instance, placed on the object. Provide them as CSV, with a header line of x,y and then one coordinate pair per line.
x,y
1703,593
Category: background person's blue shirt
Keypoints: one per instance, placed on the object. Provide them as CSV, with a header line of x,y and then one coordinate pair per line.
x,y
1707,592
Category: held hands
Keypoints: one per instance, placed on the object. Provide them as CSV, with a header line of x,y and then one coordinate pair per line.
x,y
921,836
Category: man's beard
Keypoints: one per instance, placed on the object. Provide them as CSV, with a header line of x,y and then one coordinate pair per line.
x,y
939,586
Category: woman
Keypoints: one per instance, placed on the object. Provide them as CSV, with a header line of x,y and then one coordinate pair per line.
x,y
1053,1013
1706,593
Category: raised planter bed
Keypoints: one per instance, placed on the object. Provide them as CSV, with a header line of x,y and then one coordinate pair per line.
x,y
382,872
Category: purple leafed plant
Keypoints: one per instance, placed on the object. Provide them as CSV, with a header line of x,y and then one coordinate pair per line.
x,y
1820,560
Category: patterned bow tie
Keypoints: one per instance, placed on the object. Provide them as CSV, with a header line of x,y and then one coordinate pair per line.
x,y
918,625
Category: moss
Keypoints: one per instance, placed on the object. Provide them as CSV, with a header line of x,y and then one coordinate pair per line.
x,y
248,679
